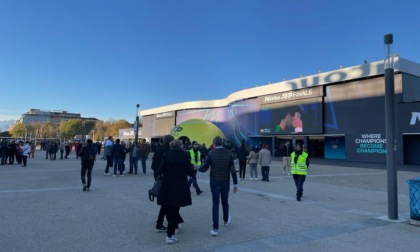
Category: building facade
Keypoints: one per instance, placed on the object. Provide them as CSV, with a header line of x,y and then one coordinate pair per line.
x,y
337,115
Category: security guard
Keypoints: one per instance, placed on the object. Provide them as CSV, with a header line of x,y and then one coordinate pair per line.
x,y
299,168
196,162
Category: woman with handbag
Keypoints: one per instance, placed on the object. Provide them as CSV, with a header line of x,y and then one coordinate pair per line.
x,y
174,193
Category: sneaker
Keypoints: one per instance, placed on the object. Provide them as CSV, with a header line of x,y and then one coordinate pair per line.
x,y
228,221
171,240
122,175
161,228
84,188
200,192
87,189
114,175
178,229
214,232
106,174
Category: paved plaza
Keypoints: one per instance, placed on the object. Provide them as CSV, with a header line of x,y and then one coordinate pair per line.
x,y
344,208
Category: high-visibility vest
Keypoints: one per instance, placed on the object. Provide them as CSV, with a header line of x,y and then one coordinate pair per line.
x,y
299,167
192,154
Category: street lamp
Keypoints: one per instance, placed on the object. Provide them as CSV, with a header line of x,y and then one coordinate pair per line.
x,y
390,130
83,131
136,124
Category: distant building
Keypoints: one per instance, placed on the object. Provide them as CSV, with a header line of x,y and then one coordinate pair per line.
x,y
43,116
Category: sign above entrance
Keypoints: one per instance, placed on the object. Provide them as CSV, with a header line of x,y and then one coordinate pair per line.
x,y
292,95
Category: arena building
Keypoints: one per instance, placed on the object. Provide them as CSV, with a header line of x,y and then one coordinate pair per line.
x,y
337,115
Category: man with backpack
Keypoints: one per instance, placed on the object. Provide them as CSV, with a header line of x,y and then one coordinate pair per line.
x,y
88,156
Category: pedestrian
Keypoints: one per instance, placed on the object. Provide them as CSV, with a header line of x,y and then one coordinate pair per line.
x,y
242,157
47,149
87,156
286,151
118,154
33,148
108,154
62,149
144,154
67,148
77,147
299,169
221,164
264,159
25,150
195,156
175,193
253,161
134,158
157,159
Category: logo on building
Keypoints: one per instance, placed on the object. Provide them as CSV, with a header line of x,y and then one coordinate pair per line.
x,y
415,116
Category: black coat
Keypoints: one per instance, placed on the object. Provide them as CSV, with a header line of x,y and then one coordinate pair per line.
x,y
157,157
175,168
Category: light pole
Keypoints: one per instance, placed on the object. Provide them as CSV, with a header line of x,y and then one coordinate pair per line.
x,y
136,124
83,131
390,130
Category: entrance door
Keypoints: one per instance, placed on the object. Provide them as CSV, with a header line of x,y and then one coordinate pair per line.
x,y
411,147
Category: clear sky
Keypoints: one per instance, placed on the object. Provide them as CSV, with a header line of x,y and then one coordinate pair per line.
x,y
100,57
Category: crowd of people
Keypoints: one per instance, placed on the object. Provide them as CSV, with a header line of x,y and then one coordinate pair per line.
x,y
176,162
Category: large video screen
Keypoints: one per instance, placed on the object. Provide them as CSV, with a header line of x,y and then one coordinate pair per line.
x,y
304,116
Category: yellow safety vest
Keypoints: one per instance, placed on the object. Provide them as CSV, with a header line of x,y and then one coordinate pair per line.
x,y
192,154
299,167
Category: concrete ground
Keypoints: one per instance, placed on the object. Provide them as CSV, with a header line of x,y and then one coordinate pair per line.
x,y
344,208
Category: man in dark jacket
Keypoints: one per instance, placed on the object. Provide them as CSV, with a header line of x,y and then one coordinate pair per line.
x,y
175,168
88,156
157,158
118,155
222,166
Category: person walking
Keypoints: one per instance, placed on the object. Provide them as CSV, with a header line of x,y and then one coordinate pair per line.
x,y
195,156
221,164
175,193
118,154
286,151
87,156
253,161
242,157
67,148
144,154
156,160
134,158
108,154
25,150
62,148
33,148
264,159
299,169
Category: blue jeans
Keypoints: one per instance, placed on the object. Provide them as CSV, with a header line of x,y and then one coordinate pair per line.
x,y
134,163
118,162
220,189
299,180
143,164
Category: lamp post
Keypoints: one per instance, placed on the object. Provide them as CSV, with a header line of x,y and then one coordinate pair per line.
x,y
83,131
390,130
136,124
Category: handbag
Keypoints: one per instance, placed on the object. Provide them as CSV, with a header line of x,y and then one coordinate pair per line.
x,y
154,192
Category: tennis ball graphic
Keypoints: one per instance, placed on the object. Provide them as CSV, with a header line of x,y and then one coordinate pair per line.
x,y
198,130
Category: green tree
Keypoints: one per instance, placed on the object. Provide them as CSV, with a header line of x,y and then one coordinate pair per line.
x,y
18,130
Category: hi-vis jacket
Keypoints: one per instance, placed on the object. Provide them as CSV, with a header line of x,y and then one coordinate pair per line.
x,y
299,167
192,155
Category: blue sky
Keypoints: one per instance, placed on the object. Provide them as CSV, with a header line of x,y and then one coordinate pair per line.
x,y
100,58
